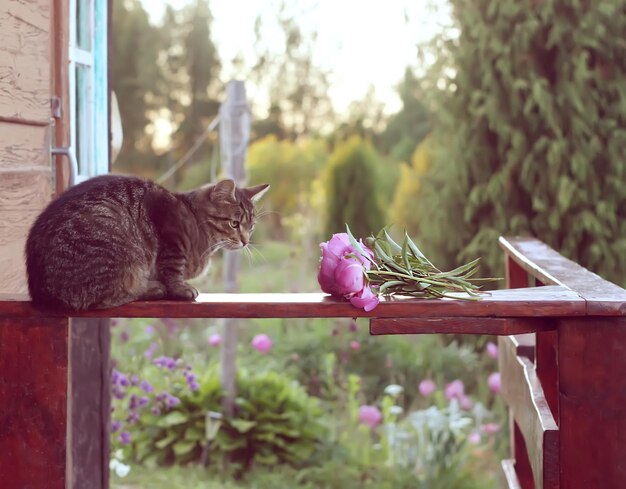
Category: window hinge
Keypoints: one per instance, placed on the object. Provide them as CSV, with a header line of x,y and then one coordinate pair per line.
x,y
55,104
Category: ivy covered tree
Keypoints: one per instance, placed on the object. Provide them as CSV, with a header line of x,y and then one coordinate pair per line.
x,y
351,189
530,132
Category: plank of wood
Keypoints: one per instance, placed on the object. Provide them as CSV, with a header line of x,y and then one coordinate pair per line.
x,y
24,147
524,345
90,376
592,401
23,194
533,302
459,325
510,477
25,60
33,393
542,262
524,395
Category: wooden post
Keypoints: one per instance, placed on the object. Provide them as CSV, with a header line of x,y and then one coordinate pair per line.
x,y
592,402
234,136
34,433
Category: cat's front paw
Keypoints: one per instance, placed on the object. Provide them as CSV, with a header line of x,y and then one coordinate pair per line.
x,y
182,292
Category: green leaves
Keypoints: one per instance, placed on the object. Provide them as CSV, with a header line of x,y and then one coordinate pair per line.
x,y
404,270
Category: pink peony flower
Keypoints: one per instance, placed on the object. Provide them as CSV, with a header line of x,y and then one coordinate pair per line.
x,y
454,390
489,428
342,272
365,299
494,382
355,345
370,415
349,277
427,387
262,343
492,350
474,438
215,339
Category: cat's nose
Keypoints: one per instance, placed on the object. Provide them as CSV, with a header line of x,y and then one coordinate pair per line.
x,y
245,239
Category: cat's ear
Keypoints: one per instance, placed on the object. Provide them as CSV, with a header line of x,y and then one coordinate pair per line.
x,y
224,191
256,192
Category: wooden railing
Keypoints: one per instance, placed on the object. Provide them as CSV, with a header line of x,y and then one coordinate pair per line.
x,y
562,360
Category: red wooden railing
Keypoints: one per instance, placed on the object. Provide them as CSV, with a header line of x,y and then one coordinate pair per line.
x,y
562,359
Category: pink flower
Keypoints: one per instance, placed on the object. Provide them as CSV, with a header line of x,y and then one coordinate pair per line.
x,y
370,415
454,390
427,387
262,343
215,339
355,345
492,350
494,382
365,299
332,252
465,402
474,438
349,277
489,428
342,272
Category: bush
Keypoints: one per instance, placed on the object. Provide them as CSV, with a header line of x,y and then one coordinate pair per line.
x,y
352,192
275,422
529,134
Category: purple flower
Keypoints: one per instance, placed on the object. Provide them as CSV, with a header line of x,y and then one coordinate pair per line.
x,y
355,345
165,362
370,415
118,392
492,350
161,396
143,401
353,326
146,386
122,380
494,382
215,339
194,386
151,350
474,438
115,426
172,401
133,417
262,343
124,336
115,376
454,390
149,330
427,387
155,410
134,380
124,437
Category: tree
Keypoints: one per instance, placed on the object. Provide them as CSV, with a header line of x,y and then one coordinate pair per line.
x,y
135,79
352,193
530,134
406,129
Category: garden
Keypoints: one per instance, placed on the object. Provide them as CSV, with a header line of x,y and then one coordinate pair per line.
x,y
507,116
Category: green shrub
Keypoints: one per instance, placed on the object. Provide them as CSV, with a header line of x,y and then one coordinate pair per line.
x,y
529,101
352,190
276,422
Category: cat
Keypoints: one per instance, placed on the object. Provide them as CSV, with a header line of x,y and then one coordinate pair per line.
x,y
115,239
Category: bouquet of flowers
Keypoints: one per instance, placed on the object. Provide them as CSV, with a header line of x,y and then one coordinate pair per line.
x,y
363,271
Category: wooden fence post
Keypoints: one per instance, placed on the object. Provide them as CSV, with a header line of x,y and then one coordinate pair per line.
x,y
234,136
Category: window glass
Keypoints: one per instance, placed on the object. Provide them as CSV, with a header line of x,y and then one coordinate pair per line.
x,y
83,23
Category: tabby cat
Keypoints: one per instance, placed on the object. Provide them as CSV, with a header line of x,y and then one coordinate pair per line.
x,y
115,239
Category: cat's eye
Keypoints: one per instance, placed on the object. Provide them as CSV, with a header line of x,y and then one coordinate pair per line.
x,y
234,224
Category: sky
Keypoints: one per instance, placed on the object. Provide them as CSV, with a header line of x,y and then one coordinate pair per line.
x,y
362,43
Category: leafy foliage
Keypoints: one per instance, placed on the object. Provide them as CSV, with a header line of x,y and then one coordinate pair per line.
x,y
351,189
404,270
276,422
530,132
